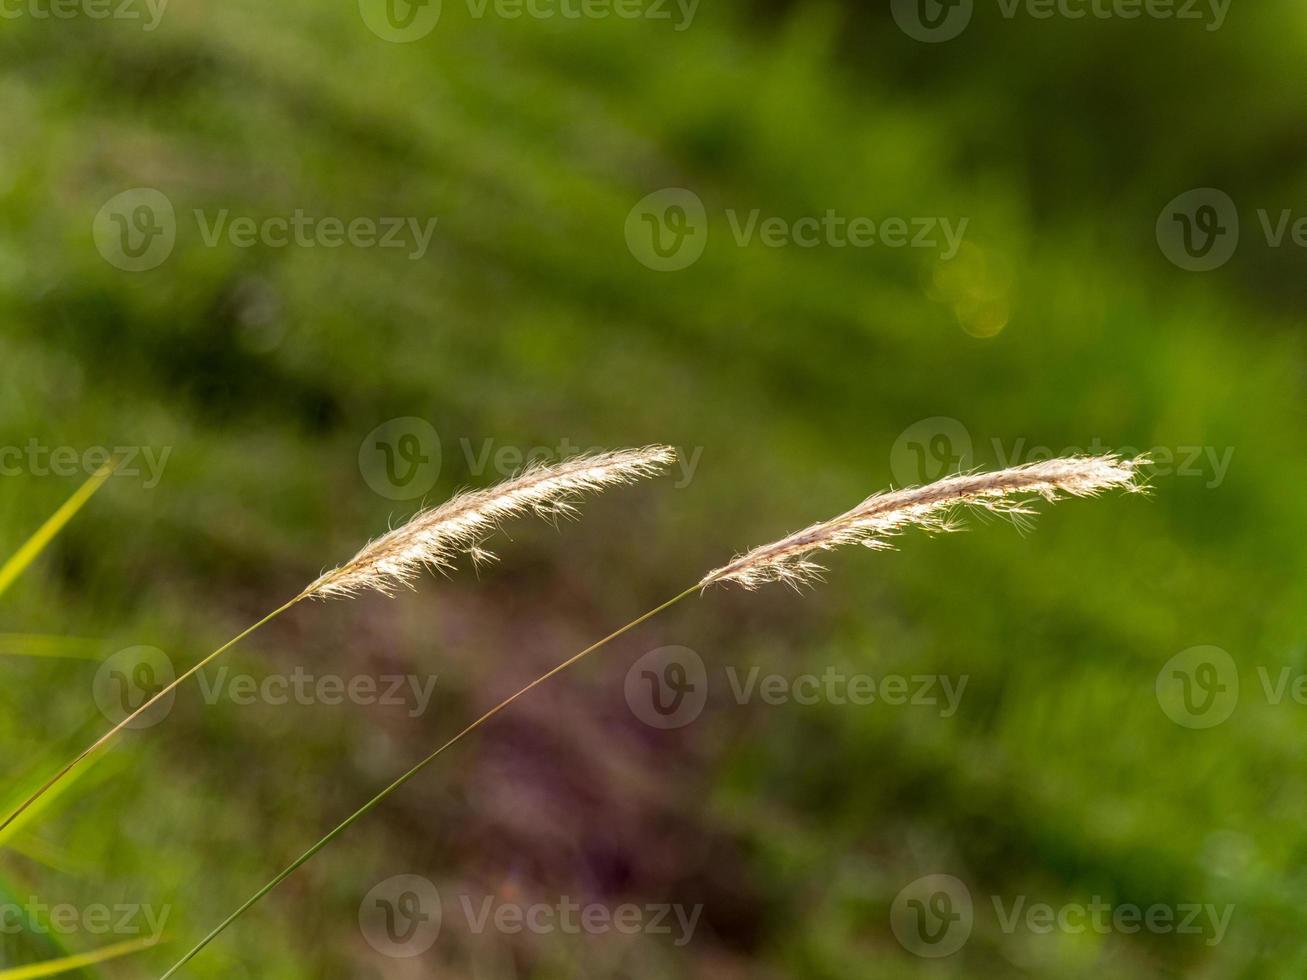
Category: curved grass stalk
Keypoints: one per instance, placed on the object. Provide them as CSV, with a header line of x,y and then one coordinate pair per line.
x,y
871,524
376,801
430,539
108,736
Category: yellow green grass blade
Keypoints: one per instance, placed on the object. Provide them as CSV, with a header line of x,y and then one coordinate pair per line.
x,y
43,852
49,646
66,964
37,543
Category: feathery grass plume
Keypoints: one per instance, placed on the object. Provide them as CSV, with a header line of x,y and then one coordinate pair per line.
x,y
932,508
433,539
1009,492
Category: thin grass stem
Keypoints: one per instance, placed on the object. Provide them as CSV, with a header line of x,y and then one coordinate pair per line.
x,y
429,539
376,801
104,739
871,524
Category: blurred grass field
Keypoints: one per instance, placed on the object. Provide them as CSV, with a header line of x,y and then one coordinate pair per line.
x,y
788,375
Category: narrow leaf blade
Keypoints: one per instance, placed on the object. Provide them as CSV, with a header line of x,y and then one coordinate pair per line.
x,y
37,543
66,964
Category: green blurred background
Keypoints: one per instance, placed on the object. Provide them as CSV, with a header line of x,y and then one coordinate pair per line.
x,y
796,379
